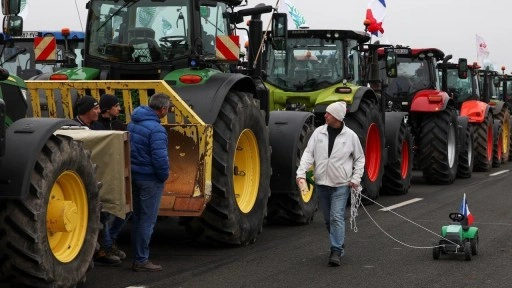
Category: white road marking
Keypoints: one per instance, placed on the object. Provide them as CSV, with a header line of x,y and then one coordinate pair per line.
x,y
499,172
400,204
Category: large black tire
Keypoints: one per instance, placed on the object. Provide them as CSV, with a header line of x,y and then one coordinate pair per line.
x,y
367,123
41,245
438,146
398,171
504,117
497,144
510,140
466,155
483,144
240,176
294,207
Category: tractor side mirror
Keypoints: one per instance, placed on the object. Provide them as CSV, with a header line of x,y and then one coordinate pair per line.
x,y
279,30
13,25
11,7
391,65
463,68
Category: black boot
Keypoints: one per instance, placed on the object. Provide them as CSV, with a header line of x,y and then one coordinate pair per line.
x,y
335,258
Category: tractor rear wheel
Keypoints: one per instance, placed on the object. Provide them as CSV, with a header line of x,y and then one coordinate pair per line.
x,y
438,147
483,144
240,176
398,171
50,235
368,125
295,207
504,117
497,145
466,155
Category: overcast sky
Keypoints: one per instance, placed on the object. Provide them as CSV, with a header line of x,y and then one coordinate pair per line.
x,y
450,25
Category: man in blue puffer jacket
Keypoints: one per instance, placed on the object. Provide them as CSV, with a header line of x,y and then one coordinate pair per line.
x,y
150,170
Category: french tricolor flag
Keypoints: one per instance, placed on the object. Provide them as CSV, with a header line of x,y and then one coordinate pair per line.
x,y
464,210
375,13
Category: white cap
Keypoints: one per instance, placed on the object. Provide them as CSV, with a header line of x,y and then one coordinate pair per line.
x,y
338,110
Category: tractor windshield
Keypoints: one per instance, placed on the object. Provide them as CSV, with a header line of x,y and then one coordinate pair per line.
x,y
413,75
310,64
150,31
461,89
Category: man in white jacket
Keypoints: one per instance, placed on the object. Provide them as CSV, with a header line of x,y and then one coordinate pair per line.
x,y
338,159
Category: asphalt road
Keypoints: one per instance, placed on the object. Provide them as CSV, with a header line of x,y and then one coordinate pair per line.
x,y
296,256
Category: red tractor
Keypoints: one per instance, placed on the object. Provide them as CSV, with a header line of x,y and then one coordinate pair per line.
x,y
460,81
411,85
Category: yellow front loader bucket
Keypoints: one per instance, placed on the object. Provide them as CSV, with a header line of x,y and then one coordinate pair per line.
x,y
188,188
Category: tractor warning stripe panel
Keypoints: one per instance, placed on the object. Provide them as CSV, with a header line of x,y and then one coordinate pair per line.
x,y
227,47
45,48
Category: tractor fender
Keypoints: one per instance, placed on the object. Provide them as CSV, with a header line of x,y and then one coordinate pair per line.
x,y
430,101
497,107
285,128
471,232
362,92
475,110
206,99
393,121
462,123
25,139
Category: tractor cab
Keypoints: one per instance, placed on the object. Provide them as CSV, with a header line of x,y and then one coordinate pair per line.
x,y
311,60
459,80
415,71
146,39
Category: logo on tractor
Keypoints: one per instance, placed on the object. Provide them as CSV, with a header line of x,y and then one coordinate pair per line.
x,y
45,48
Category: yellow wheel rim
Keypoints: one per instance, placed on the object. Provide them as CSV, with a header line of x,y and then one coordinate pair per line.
x,y
505,135
246,171
306,197
67,215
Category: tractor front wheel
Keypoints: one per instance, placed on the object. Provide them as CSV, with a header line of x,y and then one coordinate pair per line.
x,y
438,147
50,235
240,176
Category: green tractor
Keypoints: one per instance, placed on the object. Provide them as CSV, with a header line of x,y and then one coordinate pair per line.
x,y
49,200
308,69
457,238
192,46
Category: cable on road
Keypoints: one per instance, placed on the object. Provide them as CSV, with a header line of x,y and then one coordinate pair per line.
x,y
355,197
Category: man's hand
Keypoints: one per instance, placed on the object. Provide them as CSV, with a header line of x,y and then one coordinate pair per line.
x,y
303,185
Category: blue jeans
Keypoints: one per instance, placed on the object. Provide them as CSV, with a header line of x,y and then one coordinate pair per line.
x,y
146,202
112,226
333,201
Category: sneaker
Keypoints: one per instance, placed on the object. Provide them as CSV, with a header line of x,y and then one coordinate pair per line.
x,y
117,252
106,258
146,267
335,259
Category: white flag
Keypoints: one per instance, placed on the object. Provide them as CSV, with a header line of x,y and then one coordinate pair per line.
x,y
481,48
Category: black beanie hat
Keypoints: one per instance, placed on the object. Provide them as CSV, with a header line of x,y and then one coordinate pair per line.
x,y
85,104
107,101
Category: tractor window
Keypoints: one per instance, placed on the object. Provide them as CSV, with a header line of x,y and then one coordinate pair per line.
x,y
213,24
19,58
460,88
141,31
310,63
